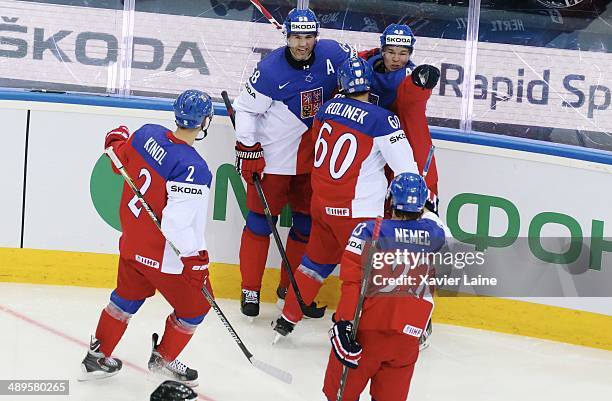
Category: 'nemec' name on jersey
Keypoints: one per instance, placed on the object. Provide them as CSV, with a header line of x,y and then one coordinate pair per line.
x,y
407,236
155,150
347,111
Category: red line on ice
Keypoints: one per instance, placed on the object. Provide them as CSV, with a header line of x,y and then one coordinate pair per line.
x,y
76,341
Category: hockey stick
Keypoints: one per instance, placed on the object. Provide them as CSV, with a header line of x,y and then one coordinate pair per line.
x,y
428,161
307,310
266,14
366,278
263,366
364,285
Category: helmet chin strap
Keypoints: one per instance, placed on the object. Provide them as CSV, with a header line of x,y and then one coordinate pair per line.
x,y
204,128
199,138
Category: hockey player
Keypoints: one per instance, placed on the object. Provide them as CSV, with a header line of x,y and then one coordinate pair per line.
x,y
392,319
355,139
402,87
175,181
273,115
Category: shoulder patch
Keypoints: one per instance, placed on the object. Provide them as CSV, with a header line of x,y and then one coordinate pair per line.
x,y
355,245
363,230
193,171
183,189
394,121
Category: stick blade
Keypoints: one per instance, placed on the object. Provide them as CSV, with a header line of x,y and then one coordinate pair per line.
x,y
314,312
273,371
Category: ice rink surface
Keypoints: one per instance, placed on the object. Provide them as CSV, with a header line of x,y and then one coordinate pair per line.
x,y
45,331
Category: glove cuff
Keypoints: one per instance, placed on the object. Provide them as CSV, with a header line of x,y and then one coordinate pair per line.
x,y
249,154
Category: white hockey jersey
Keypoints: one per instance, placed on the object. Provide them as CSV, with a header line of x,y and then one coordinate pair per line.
x,y
279,102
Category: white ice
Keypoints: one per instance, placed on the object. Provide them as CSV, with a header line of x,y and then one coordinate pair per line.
x,y
44,331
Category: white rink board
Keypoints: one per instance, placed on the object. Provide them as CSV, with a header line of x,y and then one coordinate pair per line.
x,y
61,215
12,165
535,188
64,148
534,183
66,141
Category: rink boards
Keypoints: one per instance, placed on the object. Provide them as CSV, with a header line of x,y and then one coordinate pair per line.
x,y
59,217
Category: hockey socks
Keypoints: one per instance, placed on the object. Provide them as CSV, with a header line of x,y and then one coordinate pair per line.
x,y
296,246
176,336
309,288
253,256
111,326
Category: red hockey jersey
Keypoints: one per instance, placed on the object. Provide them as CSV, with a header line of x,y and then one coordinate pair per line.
x,y
389,306
354,141
395,91
175,181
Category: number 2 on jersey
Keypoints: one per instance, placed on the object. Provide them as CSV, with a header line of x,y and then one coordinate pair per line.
x,y
145,187
322,147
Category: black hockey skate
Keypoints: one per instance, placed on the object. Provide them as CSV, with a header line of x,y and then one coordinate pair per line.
x,y
282,327
96,365
175,370
249,303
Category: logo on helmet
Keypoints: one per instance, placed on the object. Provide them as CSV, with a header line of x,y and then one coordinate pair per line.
x,y
303,27
398,40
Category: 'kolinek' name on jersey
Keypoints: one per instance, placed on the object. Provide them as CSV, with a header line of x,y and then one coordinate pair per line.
x,y
354,141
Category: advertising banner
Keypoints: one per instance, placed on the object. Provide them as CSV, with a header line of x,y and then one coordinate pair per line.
x,y
81,49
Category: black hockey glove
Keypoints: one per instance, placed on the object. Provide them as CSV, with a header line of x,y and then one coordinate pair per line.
x,y
425,76
432,202
346,350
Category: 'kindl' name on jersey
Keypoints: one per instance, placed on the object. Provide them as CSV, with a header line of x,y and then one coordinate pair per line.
x,y
155,150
